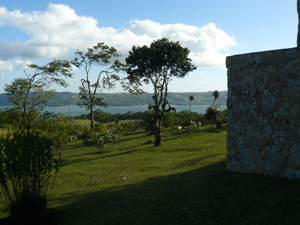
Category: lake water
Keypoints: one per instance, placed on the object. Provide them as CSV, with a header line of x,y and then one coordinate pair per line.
x,y
77,111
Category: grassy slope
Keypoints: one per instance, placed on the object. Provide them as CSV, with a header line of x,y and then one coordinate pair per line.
x,y
184,181
85,123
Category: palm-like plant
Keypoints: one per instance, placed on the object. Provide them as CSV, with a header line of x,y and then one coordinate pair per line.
x,y
190,102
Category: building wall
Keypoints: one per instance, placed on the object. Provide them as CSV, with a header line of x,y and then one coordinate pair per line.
x,y
264,113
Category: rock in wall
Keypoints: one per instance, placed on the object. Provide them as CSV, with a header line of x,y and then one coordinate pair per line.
x,y
264,113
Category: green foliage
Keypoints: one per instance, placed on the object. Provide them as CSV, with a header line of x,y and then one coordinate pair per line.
x,y
216,95
59,128
96,139
99,139
148,122
26,167
223,115
211,114
169,119
100,127
98,54
29,95
157,65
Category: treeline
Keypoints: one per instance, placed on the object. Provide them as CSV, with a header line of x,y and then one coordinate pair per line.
x,y
126,99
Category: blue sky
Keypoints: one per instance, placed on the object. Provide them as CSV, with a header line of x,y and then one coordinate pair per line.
x,y
38,31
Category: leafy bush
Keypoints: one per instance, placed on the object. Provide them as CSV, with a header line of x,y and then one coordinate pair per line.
x,y
98,139
223,115
211,114
86,133
169,119
100,127
26,165
148,122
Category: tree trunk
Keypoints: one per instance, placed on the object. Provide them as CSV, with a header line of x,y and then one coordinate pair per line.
x,y
158,133
92,118
298,11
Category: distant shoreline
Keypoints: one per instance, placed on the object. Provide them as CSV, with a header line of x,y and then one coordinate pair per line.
x,y
108,105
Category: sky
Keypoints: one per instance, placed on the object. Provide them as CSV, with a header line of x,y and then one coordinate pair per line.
x,y
39,31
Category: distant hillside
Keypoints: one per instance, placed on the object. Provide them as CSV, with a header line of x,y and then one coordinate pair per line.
x,y
126,99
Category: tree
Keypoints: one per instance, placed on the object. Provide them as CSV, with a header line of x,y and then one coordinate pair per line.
x,y
157,65
216,95
30,94
99,54
190,102
212,112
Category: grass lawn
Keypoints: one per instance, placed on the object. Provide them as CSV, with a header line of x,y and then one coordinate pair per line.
x,y
184,181
85,123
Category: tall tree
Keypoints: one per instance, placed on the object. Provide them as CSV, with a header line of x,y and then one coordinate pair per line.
x,y
30,94
190,102
216,95
100,54
157,65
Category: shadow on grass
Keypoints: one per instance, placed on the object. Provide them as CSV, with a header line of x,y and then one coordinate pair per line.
x,y
101,154
208,195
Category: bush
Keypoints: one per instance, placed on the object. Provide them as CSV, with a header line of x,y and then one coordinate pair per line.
x,y
211,115
100,127
148,122
98,139
26,167
169,119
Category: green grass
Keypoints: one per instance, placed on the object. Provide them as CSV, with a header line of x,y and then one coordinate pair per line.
x,y
184,181
85,123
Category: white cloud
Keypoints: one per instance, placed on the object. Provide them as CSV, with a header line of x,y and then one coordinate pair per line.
x,y
53,33
6,66
16,65
201,75
74,68
21,65
2,75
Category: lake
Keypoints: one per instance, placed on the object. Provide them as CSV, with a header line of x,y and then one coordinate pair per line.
x,y
77,111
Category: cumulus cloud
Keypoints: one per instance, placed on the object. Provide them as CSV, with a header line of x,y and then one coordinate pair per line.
x,y
201,75
56,31
6,66
2,75
16,65
21,65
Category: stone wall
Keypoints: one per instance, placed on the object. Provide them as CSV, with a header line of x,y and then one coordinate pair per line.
x,y
264,113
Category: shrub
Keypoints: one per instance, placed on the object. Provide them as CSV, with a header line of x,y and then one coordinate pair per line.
x,y
169,119
99,139
211,114
148,122
26,167
100,127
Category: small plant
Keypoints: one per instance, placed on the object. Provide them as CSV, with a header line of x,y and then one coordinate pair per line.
x,y
190,101
216,95
26,165
211,115
169,119
98,139
219,125
148,122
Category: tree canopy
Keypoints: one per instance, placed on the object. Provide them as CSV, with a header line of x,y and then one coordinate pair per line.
x,y
30,94
98,54
157,65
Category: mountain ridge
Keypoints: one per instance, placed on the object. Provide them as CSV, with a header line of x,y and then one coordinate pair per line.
x,y
126,99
